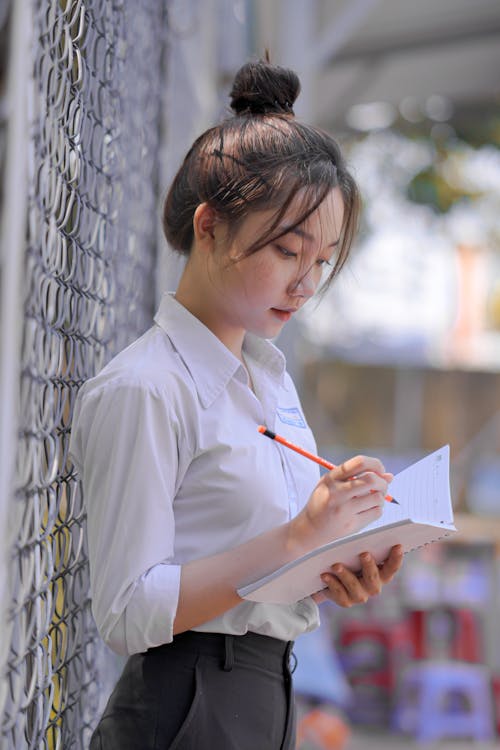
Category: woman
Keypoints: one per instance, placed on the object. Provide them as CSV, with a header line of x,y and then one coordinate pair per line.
x,y
186,501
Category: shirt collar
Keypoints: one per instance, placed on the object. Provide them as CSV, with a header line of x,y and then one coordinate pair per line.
x,y
197,346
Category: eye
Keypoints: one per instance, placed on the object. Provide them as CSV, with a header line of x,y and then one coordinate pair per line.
x,y
324,263
286,253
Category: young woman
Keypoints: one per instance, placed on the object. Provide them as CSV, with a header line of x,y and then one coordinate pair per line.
x,y
186,501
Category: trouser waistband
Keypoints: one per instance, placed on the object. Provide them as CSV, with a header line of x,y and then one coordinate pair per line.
x,y
250,648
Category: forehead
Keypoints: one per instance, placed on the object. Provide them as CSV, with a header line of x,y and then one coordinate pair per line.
x,y
321,228
323,225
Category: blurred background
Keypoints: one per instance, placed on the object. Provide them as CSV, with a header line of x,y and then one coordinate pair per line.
x,y
99,101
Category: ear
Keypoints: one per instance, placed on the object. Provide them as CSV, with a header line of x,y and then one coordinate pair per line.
x,y
204,221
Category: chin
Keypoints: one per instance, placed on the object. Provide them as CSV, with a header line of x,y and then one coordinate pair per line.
x,y
268,331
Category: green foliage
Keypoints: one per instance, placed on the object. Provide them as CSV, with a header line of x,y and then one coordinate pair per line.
x,y
429,187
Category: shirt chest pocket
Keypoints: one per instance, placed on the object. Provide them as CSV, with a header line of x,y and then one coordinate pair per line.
x,y
301,473
291,416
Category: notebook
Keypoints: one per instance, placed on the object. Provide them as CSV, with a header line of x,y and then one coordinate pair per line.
x,y
424,515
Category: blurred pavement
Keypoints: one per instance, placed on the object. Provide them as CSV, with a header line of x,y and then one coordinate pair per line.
x,y
374,740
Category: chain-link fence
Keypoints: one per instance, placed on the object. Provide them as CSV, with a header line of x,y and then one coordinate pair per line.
x,y
94,102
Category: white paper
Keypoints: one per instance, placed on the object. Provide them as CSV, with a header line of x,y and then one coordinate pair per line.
x,y
424,515
422,491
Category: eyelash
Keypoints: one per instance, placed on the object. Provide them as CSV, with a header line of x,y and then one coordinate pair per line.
x,y
325,262
289,254
286,253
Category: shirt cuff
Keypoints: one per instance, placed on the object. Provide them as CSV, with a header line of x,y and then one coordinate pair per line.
x,y
148,619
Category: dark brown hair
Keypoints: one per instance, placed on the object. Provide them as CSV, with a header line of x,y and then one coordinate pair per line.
x,y
260,158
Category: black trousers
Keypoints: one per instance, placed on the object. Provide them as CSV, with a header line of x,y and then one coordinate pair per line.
x,y
203,691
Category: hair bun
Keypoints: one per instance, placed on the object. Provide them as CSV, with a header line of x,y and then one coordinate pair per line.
x,y
261,88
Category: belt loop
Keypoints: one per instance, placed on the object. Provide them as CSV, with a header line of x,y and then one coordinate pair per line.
x,y
289,658
228,653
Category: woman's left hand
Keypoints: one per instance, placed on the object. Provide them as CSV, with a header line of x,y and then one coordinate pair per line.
x,y
346,588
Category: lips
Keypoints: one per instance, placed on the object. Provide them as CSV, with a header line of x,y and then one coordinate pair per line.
x,y
283,315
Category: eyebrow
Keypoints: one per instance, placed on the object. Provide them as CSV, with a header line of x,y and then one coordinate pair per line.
x,y
305,235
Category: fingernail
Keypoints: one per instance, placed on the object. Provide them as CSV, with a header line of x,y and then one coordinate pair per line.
x,y
337,569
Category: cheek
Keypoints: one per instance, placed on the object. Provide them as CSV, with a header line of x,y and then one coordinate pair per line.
x,y
265,278
260,276
263,265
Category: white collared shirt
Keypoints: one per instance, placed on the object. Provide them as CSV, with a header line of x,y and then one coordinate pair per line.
x,y
174,469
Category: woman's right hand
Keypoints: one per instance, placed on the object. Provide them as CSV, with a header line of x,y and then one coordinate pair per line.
x,y
346,499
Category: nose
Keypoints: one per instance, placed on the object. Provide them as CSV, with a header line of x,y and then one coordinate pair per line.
x,y
306,285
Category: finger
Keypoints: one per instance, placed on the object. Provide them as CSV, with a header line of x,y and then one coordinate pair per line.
x,y
373,513
358,465
372,482
386,476
370,574
368,501
355,486
319,597
335,591
366,509
392,564
353,585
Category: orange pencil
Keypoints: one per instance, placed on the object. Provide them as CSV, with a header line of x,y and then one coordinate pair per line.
x,y
321,461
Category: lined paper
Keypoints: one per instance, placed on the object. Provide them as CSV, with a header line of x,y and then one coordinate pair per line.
x,y
422,491
424,515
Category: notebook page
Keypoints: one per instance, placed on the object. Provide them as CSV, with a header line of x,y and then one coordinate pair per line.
x,y
422,491
302,577
424,515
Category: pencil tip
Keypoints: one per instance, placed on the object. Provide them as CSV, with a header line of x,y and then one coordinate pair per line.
x,y
261,428
394,501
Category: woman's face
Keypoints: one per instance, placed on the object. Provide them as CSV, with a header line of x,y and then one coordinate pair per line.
x,y
260,293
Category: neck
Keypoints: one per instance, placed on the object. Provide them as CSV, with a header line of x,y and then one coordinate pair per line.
x,y
202,301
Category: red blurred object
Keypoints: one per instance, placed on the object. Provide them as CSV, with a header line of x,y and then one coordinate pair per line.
x,y
388,644
465,636
495,685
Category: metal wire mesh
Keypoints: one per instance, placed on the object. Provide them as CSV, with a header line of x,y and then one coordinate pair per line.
x,y
91,235
5,10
